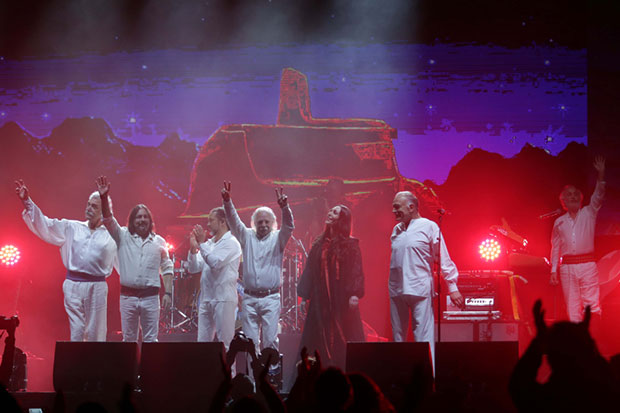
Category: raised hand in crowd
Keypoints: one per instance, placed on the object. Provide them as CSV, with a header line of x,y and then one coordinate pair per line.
x,y
221,395
302,396
274,402
282,199
226,191
21,190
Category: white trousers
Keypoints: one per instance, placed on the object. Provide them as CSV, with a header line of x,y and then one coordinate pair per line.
x,y
261,314
216,318
580,287
86,304
422,319
140,312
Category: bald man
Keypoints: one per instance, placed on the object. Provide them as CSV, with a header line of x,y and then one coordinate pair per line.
x,y
415,246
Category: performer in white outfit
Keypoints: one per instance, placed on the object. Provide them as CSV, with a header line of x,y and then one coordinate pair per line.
x,y
142,256
88,253
572,248
415,246
218,261
263,248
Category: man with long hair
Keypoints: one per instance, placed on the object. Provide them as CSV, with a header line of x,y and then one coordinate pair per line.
x,y
263,248
88,254
142,256
217,259
333,282
572,249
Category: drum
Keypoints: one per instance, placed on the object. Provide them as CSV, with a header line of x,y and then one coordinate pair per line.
x,y
186,291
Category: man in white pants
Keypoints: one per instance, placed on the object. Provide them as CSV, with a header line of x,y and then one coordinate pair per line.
x,y
88,253
142,255
218,261
415,245
263,248
572,249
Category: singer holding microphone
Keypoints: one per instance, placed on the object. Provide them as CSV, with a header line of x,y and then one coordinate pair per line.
x,y
572,249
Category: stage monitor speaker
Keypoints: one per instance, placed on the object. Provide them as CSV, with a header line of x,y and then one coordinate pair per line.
x,y
180,376
393,366
95,367
484,368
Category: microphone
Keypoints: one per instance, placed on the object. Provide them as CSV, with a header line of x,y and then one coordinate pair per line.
x,y
442,211
551,214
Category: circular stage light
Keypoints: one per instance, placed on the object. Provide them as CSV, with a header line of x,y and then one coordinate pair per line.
x,y
9,255
169,246
489,249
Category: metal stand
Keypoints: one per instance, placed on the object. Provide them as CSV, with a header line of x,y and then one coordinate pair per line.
x,y
185,320
291,314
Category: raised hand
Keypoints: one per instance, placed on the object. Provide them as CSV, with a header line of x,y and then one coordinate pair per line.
x,y
103,186
282,199
226,191
193,244
539,318
21,190
200,234
599,165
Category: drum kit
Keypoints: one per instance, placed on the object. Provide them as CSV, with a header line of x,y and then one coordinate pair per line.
x,y
182,316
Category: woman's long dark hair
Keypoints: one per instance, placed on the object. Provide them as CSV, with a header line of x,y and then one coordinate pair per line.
x,y
342,227
132,217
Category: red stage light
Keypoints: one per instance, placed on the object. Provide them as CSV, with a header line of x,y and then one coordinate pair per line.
x,y
489,249
9,255
169,246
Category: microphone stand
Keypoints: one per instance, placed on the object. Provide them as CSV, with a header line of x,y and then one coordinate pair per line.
x,y
438,272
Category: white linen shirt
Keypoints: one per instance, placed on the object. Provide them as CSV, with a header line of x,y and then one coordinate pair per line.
x,y
576,236
85,250
219,264
414,250
140,260
262,258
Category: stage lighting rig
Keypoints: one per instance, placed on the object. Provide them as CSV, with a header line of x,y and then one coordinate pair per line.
x,y
9,255
489,249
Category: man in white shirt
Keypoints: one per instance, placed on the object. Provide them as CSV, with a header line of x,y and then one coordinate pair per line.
x,y
218,260
142,256
415,246
88,253
263,248
572,248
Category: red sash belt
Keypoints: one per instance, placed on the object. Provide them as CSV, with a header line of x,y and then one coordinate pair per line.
x,y
578,259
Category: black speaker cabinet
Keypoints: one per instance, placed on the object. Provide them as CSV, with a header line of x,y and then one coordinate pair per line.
x,y
180,376
393,366
95,367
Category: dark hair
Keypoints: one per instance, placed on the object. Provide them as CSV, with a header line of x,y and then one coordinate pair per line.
x,y
342,227
132,217
220,213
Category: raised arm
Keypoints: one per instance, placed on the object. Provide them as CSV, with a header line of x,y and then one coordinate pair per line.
x,y
49,230
195,261
237,227
103,186
287,219
599,191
